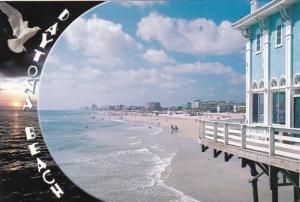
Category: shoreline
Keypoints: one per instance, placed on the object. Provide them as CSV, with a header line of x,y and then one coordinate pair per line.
x,y
195,174
187,128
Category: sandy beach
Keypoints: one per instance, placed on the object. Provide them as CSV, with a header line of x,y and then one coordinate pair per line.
x,y
187,127
200,175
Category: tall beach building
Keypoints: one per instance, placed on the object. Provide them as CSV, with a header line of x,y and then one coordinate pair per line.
x,y
272,33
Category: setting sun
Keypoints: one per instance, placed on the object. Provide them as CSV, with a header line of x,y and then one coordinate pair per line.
x,y
16,104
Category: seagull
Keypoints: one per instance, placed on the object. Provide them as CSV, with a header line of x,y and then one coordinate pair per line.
x,y
21,31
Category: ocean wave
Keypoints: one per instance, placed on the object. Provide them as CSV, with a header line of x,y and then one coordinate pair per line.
x,y
135,143
157,132
136,151
138,127
161,166
182,196
119,121
154,146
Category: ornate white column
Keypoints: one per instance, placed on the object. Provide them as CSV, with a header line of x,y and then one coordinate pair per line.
x,y
289,108
265,65
248,82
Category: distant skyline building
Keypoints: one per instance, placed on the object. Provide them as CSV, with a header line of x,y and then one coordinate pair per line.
x,y
196,104
153,106
225,107
94,107
187,105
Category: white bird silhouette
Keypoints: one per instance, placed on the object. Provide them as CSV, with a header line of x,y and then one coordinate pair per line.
x,y
19,27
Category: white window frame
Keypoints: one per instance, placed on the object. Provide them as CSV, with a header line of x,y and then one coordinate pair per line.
x,y
263,112
258,32
278,23
278,91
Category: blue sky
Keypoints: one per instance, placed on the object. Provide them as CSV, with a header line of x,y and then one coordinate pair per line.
x,y
134,52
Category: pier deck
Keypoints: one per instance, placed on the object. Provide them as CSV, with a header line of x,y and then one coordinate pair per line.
x,y
273,149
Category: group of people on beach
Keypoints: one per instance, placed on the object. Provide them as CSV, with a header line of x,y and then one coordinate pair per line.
x,y
174,129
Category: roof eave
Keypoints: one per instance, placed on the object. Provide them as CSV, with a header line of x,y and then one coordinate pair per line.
x,y
264,11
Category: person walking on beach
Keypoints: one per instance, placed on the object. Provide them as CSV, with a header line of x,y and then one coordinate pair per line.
x,y
172,129
176,129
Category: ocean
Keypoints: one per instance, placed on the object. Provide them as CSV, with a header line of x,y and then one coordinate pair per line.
x,y
111,159
116,161
19,177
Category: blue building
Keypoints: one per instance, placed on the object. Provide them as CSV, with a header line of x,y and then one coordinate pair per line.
x,y
270,138
272,33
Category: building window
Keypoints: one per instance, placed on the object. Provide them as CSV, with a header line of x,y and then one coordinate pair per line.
x,y
278,41
278,35
258,108
273,83
282,82
278,111
297,80
258,43
261,84
254,86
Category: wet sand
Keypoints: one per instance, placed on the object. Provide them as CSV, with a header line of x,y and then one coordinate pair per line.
x,y
203,177
206,178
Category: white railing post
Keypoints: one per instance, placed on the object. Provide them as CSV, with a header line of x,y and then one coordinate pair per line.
x,y
271,142
203,130
215,131
243,136
200,129
226,133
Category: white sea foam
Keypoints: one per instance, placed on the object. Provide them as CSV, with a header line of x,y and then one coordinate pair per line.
x,y
138,127
139,151
161,166
182,197
159,130
135,143
119,121
154,146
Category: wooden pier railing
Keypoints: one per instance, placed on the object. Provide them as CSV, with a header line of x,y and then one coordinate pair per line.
x,y
274,141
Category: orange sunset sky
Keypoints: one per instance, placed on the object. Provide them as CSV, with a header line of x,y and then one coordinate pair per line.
x,y
12,95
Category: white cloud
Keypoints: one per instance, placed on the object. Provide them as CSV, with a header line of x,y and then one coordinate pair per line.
x,y
214,68
102,41
141,3
199,36
12,84
54,59
158,57
112,67
84,85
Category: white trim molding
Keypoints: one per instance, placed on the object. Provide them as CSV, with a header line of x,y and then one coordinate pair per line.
x,y
248,81
288,69
265,65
